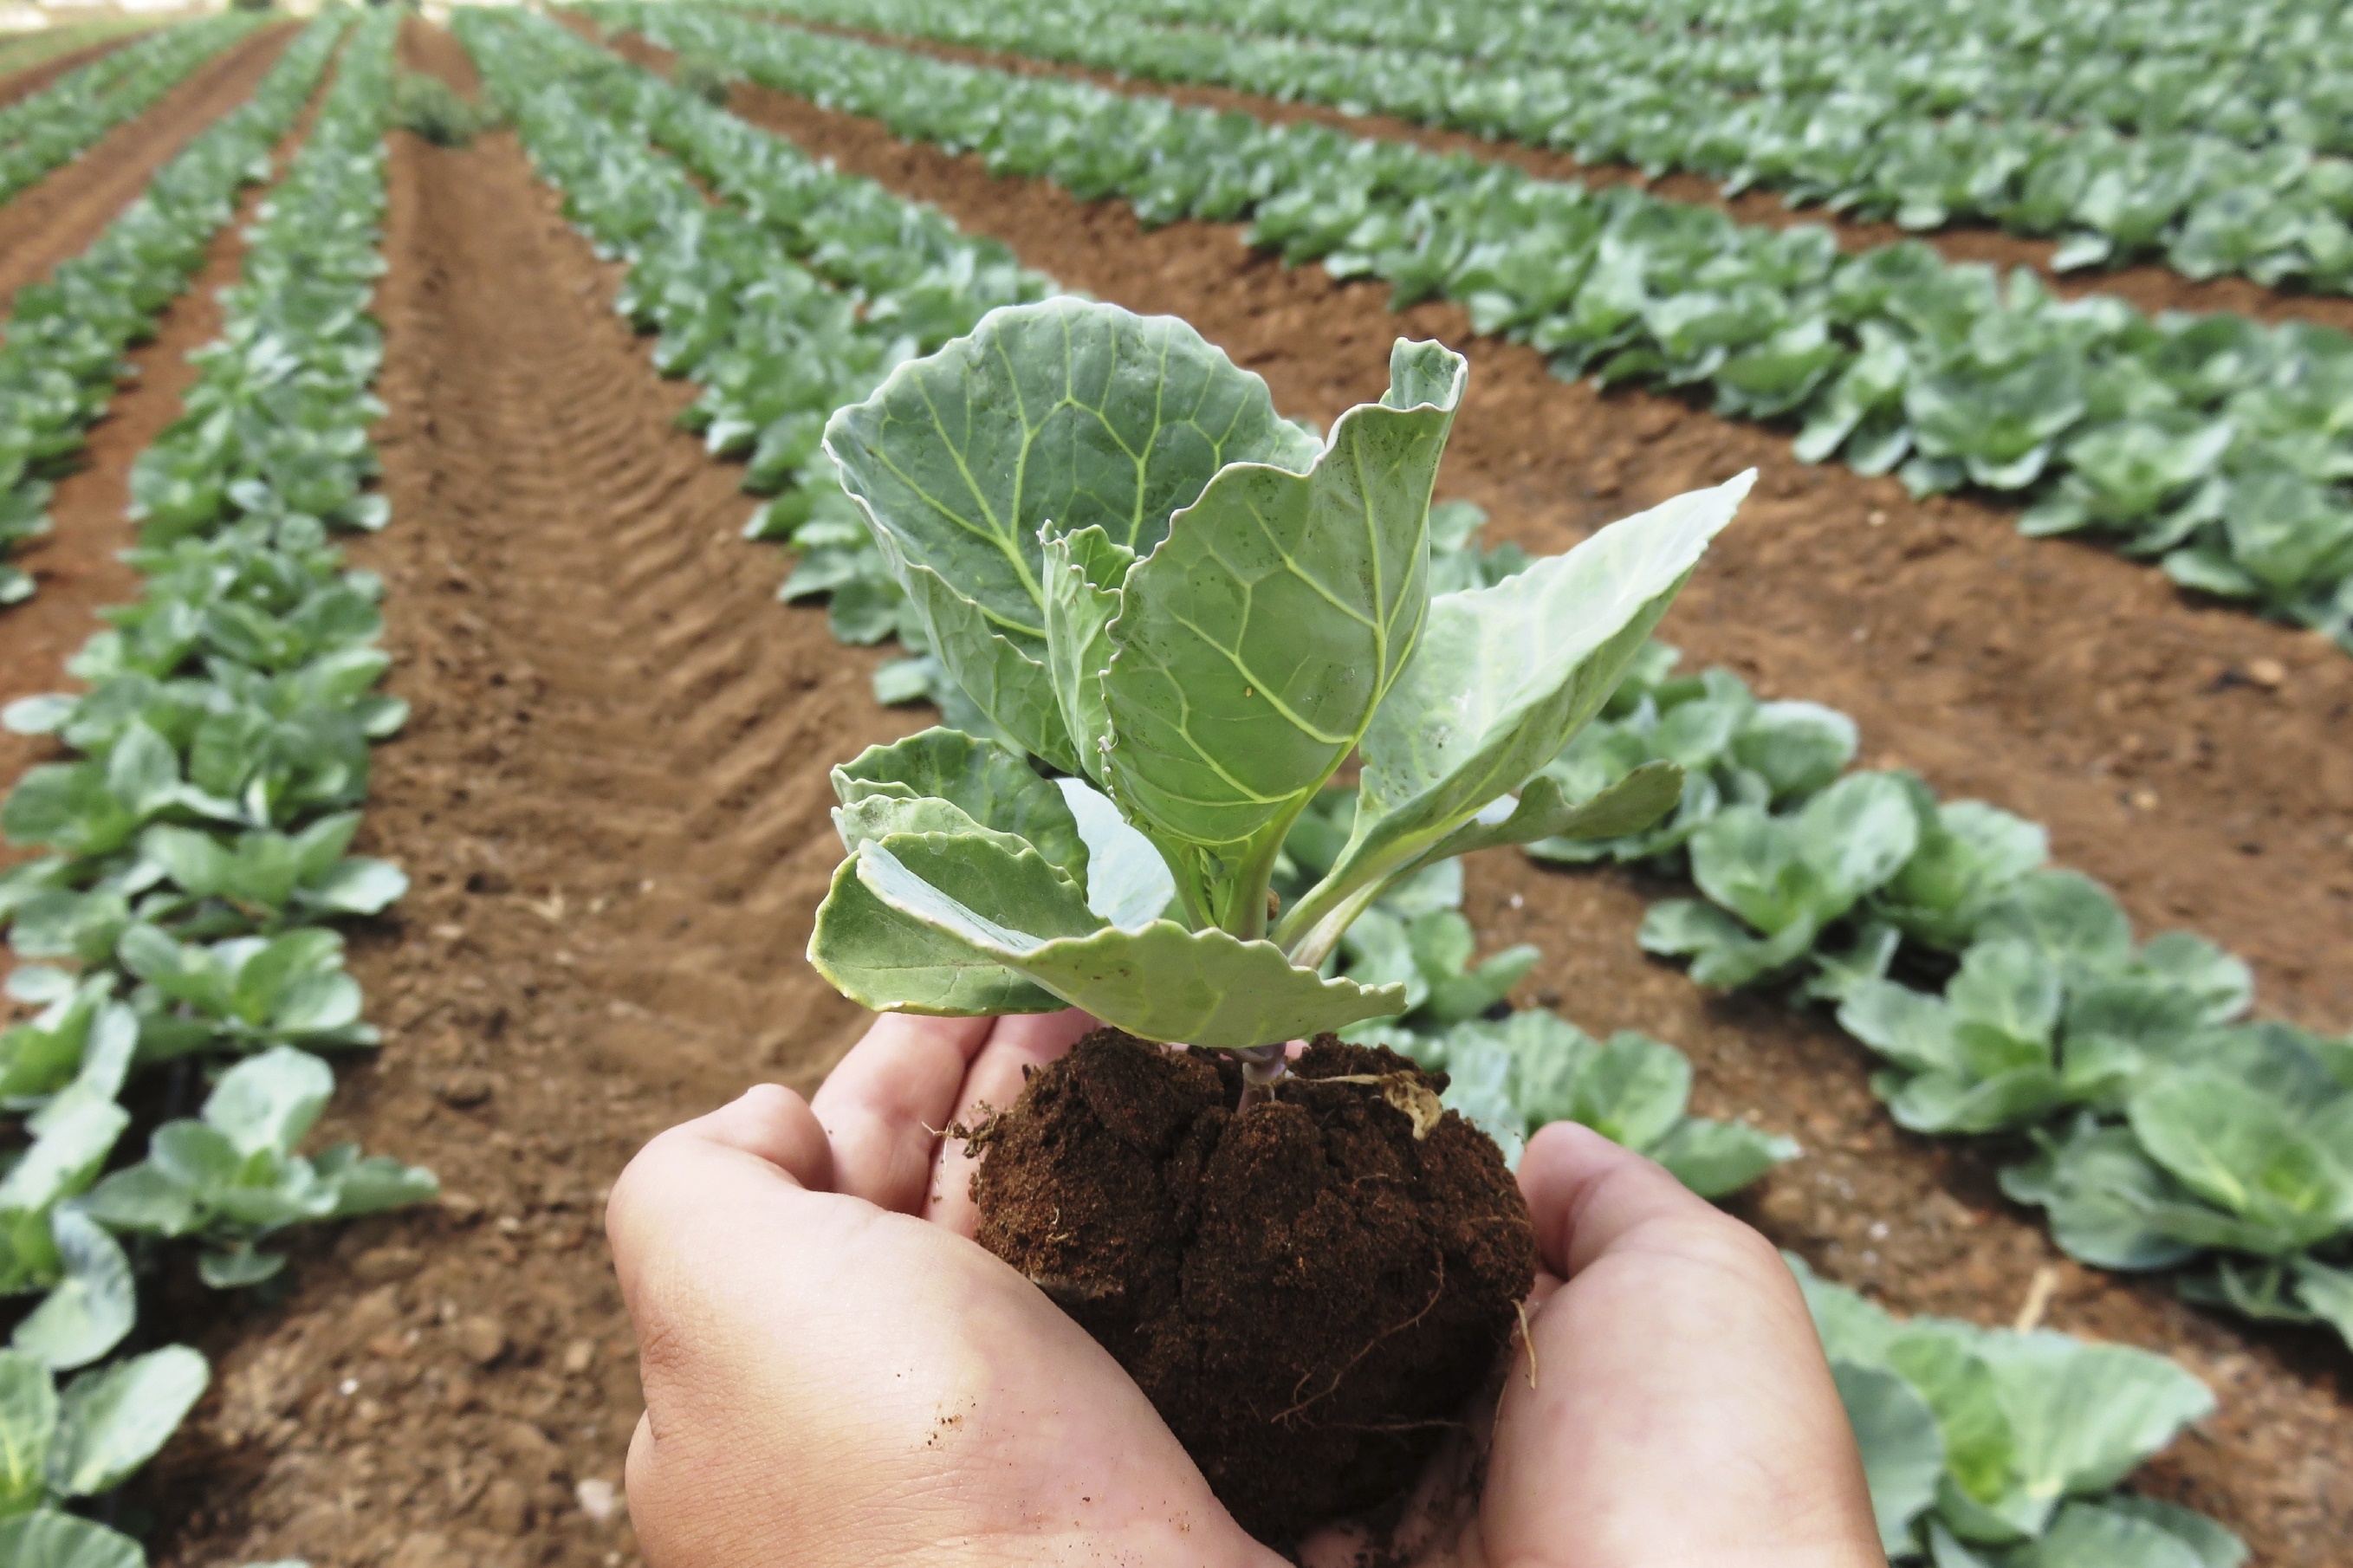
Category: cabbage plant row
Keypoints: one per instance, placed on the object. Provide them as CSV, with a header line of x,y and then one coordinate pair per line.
x,y
2215,443
61,349
2004,995
2252,71
177,928
58,124
733,290
2205,204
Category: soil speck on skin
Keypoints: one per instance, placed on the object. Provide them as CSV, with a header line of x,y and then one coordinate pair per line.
x,y
1306,1290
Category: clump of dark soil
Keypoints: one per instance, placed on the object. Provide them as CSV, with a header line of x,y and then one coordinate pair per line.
x,y
1306,1289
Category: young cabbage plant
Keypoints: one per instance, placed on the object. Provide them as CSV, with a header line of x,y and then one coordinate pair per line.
x,y
1195,613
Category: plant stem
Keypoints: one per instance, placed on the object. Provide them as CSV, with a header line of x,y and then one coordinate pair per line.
x,y
1262,1068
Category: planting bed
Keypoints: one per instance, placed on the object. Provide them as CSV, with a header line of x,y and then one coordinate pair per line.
x,y
611,800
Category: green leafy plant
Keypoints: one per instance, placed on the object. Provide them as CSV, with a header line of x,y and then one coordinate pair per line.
x,y
1994,1449
85,1439
424,105
1197,613
706,77
1514,1074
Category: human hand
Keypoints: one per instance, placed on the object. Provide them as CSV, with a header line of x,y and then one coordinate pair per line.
x,y
835,1374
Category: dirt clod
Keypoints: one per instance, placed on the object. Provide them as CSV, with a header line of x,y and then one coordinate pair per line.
x,y
1307,1290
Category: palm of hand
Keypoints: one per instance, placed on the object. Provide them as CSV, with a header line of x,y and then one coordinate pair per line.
x,y
835,1374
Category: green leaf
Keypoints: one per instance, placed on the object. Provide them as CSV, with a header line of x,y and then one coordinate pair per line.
x,y
2009,986
28,1419
1253,645
2068,916
1541,813
2101,1535
112,1421
66,1156
1906,1027
990,781
1083,574
1634,1090
2215,1546
1504,677
1065,413
1797,748
1128,881
881,957
1160,981
1961,1388
2108,1200
1715,1158
270,1100
2236,1147
88,1312
2083,1415
2328,1292
48,1539
1903,1451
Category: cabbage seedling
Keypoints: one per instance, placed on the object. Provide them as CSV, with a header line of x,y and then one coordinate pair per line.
x,y
1195,612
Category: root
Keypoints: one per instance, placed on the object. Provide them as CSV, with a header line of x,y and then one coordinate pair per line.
x,y
1340,1375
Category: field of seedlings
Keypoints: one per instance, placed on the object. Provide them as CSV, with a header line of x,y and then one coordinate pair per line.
x,y
475,486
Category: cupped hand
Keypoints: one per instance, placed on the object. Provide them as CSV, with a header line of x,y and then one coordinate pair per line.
x,y
835,1374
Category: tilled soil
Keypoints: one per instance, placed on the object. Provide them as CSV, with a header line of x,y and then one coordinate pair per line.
x,y
611,800
59,217
76,562
2152,286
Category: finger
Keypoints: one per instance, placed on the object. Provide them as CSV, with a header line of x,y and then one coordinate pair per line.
x,y
1679,1345
883,1104
765,1139
1021,1044
1587,1196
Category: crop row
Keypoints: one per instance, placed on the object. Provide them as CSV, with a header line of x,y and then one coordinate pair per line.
x,y
2004,995
2251,71
793,293
61,357
2215,443
2205,204
177,925
58,124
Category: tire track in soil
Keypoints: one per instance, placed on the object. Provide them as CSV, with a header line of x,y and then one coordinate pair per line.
x,y
1919,1222
58,217
612,801
2152,286
76,562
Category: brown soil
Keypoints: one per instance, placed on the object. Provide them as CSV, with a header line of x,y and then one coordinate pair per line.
x,y
23,84
612,802
1310,1346
76,562
59,217
2152,286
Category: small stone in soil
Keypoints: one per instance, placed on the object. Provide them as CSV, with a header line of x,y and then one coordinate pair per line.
x,y
598,1501
481,1340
